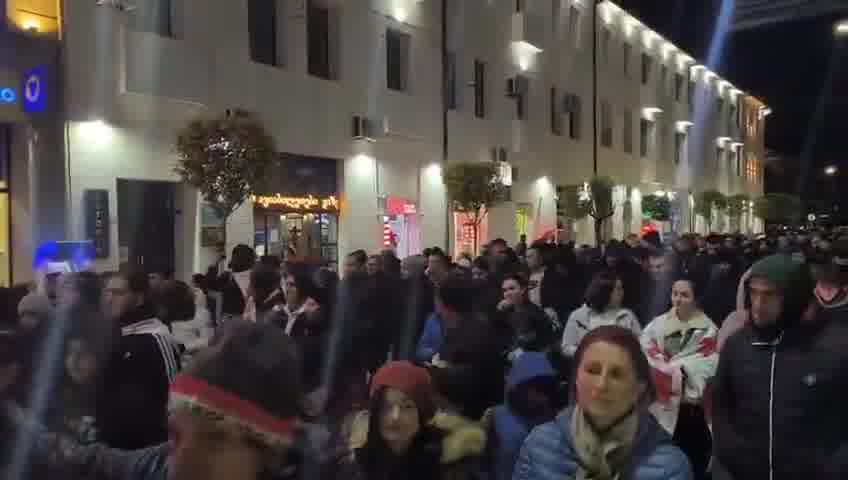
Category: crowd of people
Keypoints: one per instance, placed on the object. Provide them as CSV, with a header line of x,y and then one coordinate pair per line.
x,y
718,355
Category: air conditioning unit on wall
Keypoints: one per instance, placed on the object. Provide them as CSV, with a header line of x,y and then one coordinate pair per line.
x,y
517,86
120,5
361,129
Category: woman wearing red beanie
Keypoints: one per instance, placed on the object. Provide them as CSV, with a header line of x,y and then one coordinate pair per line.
x,y
401,436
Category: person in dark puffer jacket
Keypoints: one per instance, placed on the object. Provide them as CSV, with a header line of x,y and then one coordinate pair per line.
x,y
779,410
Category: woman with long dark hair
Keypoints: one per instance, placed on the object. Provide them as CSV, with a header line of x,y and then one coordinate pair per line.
x,y
609,433
402,437
604,298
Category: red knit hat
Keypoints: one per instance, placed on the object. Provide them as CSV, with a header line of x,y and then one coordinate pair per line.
x,y
411,380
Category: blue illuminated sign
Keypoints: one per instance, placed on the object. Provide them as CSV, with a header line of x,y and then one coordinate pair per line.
x,y
8,95
35,90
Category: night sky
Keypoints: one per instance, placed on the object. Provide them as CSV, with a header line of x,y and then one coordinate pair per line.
x,y
794,67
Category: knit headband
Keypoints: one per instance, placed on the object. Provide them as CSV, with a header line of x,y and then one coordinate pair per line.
x,y
189,393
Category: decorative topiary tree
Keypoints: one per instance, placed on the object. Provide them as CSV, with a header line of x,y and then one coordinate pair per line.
x,y
656,207
708,202
224,157
778,208
474,189
737,205
597,196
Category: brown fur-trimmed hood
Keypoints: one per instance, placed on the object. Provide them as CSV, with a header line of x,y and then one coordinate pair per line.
x,y
461,438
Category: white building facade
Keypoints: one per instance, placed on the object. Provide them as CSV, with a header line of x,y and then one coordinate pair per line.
x,y
361,85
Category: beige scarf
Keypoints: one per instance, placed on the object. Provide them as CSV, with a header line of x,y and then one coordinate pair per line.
x,y
601,456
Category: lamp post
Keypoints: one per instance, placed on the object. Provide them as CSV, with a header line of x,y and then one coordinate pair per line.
x,y
830,171
595,5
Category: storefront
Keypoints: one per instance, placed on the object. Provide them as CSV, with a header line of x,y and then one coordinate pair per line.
x,y
32,174
401,226
296,211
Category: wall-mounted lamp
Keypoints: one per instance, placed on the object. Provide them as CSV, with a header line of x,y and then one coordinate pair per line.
x,y
651,113
683,126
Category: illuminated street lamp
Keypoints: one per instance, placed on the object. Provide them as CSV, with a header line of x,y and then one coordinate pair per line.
x,y
841,28
830,170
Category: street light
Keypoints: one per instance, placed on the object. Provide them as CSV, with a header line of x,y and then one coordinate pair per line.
x,y
841,28
830,170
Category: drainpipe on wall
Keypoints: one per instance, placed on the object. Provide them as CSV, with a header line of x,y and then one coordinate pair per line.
x,y
595,87
444,41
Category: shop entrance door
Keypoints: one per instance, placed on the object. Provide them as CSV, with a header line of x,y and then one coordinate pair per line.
x,y
146,224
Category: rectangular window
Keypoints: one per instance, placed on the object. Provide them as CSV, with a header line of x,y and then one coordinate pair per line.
x,y
479,89
678,87
397,60
574,118
521,106
692,87
719,106
606,41
679,147
451,99
647,66
645,127
740,157
519,6
731,117
319,46
627,52
152,16
606,124
262,28
628,131
574,26
556,113
719,157
737,161
663,78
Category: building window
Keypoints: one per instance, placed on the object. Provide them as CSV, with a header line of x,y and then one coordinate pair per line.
x,y
451,99
737,161
574,107
645,129
153,16
606,41
606,124
397,60
647,66
663,78
627,52
732,117
679,147
479,89
678,87
719,157
556,113
627,141
521,106
519,6
692,87
320,46
262,28
574,26
719,106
